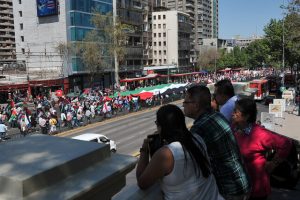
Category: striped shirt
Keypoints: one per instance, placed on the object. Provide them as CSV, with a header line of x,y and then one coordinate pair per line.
x,y
224,153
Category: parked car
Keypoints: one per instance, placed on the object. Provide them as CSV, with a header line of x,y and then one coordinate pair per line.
x,y
95,137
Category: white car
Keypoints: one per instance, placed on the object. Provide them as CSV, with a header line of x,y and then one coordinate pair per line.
x,y
94,137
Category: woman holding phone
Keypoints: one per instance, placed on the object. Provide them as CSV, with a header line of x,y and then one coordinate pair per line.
x,y
181,163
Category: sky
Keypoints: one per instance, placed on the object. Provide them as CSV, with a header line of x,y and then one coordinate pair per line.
x,y
247,17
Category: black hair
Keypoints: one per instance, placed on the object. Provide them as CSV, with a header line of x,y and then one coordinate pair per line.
x,y
201,95
173,128
248,108
225,87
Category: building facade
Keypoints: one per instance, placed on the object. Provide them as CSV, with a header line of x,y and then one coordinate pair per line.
x,y
44,25
204,17
7,34
171,39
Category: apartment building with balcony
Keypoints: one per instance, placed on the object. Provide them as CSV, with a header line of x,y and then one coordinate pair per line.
x,y
7,34
130,12
204,18
171,41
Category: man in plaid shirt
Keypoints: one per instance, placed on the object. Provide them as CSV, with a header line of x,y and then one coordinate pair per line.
x,y
223,150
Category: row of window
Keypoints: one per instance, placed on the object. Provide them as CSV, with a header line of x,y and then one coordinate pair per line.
x,y
159,17
159,61
159,52
159,34
89,6
159,43
159,26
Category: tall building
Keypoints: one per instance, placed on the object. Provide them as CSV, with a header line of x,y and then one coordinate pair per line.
x,y
40,26
204,17
171,39
7,34
131,13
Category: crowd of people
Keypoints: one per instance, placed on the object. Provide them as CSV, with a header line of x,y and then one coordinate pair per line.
x,y
222,156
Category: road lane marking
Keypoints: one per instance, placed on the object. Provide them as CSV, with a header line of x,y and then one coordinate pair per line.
x,y
107,121
137,153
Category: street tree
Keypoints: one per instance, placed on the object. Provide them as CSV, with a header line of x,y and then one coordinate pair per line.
x,y
258,53
116,33
207,58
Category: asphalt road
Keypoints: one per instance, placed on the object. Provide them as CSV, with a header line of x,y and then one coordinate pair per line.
x,y
127,131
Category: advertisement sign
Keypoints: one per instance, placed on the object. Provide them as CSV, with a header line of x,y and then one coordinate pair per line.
x,y
275,109
281,102
46,7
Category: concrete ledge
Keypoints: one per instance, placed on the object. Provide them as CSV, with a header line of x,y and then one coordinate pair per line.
x,y
46,167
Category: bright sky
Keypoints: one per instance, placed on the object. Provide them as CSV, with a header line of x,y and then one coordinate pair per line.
x,y
246,17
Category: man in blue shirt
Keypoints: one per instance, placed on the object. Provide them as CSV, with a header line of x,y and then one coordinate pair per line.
x,y
225,97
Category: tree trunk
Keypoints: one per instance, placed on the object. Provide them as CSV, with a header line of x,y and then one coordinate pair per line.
x,y
117,81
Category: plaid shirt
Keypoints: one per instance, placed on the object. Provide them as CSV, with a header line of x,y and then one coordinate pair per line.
x,y
224,153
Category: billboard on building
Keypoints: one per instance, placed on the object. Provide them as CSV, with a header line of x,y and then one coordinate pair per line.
x,y
46,7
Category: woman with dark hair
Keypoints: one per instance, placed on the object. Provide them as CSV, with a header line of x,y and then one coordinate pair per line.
x,y
254,141
181,163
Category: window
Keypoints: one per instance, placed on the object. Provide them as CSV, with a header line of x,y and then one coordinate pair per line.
x,y
164,25
159,25
155,52
154,44
165,43
23,51
20,13
155,61
21,26
164,34
159,61
165,61
164,16
154,17
159,34
154,26
154,34
22,38
158,16
159,52
165,52
159,43
20,1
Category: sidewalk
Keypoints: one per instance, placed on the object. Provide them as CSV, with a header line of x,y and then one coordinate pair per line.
x,y
288,126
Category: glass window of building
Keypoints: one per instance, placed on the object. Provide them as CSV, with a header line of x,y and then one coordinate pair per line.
x,y
164,34
158,16
155,52
154,26
159,34
165,43
23,51
20,13
159,61
154,44
21,26
164,16
154,34
22,38
159,43
159,25
20,1
154,17
159,52
165,52
165,61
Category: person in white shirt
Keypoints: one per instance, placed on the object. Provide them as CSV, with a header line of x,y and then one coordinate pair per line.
x,y
3,130
181,163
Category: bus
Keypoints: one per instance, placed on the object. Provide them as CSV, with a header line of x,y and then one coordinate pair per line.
x,y
262,88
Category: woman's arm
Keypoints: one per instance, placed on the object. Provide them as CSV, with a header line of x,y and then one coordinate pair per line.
x,y
161,164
